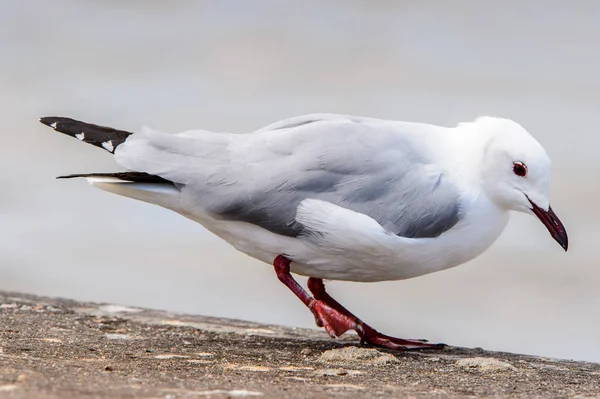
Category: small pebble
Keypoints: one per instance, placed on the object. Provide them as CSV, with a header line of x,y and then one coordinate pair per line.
x,y
306,351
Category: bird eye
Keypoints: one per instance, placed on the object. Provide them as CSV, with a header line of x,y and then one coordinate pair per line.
x,y
520,169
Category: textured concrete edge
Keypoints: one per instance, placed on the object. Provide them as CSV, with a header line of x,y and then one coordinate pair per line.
x,y
159,317
242,327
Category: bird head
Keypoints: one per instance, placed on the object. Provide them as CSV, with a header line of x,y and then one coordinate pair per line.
x,y
516,173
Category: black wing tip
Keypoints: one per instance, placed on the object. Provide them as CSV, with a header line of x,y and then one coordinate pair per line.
x,y
53,120
104,137
133,177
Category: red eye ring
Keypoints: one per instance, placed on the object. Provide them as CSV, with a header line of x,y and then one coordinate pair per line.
x,y
520,169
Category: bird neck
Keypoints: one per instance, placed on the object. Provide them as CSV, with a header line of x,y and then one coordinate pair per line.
x,y
463,150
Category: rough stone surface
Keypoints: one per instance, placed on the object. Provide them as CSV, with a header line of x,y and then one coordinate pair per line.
x,y
485,364
352,354
53,348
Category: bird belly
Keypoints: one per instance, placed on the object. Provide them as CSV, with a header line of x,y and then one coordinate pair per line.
x,y
358,257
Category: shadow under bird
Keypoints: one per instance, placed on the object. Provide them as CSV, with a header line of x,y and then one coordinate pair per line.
x,y
338,197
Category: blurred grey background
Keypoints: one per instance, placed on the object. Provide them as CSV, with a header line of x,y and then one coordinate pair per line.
x,y
236,66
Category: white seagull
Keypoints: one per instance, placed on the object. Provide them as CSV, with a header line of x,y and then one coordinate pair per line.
x,y
339,197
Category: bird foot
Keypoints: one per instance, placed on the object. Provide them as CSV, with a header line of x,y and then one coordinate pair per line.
x,y
334,322
337,323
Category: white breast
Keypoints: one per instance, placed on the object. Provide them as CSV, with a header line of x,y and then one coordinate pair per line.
x,y
469,238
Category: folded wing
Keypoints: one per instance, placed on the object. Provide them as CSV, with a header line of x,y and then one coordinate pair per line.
x,y
261,178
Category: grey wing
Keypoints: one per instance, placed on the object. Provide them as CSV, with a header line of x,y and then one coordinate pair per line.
x,y
261,178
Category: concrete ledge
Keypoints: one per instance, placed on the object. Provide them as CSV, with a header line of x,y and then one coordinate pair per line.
x,y
55,348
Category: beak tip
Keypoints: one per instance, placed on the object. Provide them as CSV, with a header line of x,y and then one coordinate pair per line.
x,y
553,224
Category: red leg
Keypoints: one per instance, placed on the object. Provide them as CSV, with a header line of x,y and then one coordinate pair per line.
x,y
335,323
367,333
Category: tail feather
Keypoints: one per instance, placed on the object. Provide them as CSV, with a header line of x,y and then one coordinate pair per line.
x,y
100,136
137,185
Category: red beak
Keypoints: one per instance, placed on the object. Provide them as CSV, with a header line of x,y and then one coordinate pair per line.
x,y
553,224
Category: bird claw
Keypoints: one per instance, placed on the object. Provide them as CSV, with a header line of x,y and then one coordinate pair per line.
x,y
373,337
398,344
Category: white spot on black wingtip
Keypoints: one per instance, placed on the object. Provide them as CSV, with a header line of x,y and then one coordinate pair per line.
x,y
80,136
108,146
53,125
